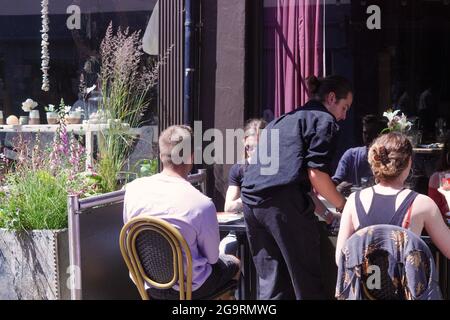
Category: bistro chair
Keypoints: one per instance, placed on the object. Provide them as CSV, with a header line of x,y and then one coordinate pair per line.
x,y
153,252
386,262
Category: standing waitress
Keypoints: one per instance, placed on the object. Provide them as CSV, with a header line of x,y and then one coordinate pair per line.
x,y
281,225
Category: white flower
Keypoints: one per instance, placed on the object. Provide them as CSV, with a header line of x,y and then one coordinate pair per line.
x,y
29,105
404,123
67,109
397,122
79,109
50,108
390,114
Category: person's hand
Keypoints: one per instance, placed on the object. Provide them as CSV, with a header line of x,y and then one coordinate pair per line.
x,y
331,217
333,227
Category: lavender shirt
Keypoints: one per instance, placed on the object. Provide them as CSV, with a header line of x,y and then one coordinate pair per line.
x,y
192,213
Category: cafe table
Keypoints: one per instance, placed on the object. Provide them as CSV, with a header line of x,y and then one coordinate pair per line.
x,y
425,158
234,222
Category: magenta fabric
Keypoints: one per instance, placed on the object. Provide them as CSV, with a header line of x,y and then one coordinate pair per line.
x,y
294,29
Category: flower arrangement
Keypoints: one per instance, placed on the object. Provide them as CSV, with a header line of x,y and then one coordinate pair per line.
x,y
29,105
39,180
45,55
397,121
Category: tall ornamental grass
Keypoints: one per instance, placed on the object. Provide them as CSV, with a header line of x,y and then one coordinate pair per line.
x,y
126,78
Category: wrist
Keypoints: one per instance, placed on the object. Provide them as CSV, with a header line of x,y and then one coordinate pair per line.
x,y
328,216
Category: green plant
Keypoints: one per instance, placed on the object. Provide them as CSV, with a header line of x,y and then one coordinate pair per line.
x,y
35,200
146,167
38,183
126,79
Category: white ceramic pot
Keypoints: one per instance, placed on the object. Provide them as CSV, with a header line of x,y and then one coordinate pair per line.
x,y
23,120
52,118
34,117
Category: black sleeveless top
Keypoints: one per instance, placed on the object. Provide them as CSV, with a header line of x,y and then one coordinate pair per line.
x,y
382,210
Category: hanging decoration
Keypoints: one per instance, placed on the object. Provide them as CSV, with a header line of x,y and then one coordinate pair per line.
x,y
45,55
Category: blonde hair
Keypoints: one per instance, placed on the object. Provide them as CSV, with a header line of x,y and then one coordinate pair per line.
x,y
252,128
389,155
170,138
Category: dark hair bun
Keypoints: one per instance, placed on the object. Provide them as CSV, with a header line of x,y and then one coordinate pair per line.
x,y
313,84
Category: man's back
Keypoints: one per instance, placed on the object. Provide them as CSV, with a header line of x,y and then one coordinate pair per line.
x,y
175,200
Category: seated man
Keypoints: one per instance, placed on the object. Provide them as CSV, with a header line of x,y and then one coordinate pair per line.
x,y
169,196
353,168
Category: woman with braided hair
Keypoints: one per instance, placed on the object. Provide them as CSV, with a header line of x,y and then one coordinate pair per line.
x,y
389,202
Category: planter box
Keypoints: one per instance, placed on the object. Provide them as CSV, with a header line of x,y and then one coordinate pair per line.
x,y
33,265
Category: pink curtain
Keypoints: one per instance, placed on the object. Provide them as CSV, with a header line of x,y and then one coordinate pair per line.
x,y
298,44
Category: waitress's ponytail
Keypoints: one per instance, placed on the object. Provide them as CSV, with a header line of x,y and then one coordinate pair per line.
x,y
319,88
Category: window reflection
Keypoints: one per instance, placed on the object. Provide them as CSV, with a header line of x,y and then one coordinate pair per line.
x,y
73,53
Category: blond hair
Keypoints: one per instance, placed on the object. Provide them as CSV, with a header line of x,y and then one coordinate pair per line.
x,y
389,156
175,140
252,128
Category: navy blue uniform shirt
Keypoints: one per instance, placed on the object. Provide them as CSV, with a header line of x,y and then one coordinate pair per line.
x,y
307,139
236,175
353,166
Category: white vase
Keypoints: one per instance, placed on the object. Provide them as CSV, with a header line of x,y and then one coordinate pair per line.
x,y
34,114
52,118
23,120
74,117
34,117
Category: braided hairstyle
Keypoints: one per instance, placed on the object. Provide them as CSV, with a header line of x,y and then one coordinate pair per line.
x,y
389,156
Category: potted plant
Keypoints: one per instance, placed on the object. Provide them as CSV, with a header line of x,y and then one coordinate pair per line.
x,y
52,114
146,167
34,256
397,121
74,117
28,106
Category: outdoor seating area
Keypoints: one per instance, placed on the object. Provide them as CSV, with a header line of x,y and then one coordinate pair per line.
x,y
226,150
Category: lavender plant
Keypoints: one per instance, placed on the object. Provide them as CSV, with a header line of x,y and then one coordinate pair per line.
x,y
38,182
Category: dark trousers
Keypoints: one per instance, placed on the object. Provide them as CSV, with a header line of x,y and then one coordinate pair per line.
x,y
285,243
